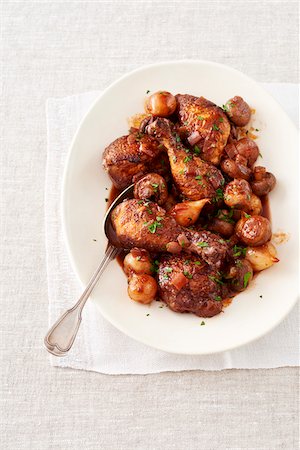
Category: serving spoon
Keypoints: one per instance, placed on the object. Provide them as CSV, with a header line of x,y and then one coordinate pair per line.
x,y
62,334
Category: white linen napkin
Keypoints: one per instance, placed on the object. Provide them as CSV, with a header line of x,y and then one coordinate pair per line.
x,y
99,346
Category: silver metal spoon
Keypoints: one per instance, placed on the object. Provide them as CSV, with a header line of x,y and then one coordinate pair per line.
x,y
61,335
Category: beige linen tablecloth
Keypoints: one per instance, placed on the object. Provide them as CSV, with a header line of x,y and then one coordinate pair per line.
x,y
54,49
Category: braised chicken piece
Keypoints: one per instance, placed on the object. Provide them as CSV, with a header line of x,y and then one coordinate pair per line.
x,y
144,224
189,285
203,118
194,178
130,155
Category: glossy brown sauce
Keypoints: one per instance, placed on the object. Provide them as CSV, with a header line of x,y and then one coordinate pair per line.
x,y
266,212
113,194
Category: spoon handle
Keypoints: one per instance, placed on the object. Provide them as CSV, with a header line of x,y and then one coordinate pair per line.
x,y
61,335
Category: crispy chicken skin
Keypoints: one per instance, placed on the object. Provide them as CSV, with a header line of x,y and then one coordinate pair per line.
x,y
199,294
194,178
130,155
199,114
146,225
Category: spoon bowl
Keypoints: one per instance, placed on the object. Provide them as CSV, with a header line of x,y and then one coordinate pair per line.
x,y
107,225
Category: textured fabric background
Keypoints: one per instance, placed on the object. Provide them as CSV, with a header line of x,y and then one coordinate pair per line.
x,y
52,49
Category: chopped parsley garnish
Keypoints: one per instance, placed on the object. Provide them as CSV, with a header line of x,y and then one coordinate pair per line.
x,y
215,280
239,263
161,146
247,277
256,129
202,244
138,258
155,186
239,251
202,323
222,241
200,118
187,159
199,177
156,224
215,127
247,215
168,269
197,150
218,298
148,314
225,107
221,119
139,136
140,202
185,123
260,155
198,263
187,274
181,172
154,266
187,261
178,139
174,158
222,182
219,195
225,217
